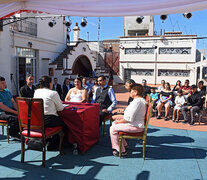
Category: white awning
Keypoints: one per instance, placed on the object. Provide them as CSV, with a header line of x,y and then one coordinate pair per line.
x,y
102,8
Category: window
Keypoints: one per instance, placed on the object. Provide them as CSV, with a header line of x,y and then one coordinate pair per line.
x,y
174,50
182,73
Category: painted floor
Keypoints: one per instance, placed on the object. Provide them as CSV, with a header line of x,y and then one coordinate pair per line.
x,y
177,154
170,154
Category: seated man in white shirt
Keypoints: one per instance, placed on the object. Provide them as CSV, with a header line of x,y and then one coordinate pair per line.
x,y
52,102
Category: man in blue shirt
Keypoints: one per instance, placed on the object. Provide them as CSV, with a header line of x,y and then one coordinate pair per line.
x,y
8,109
105,97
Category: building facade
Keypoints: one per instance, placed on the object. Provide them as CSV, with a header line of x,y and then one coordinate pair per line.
x,y
170,57
33,46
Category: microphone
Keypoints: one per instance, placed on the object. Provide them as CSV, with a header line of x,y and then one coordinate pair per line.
x,y
11,76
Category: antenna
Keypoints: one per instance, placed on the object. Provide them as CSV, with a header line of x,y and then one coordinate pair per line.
x,y
99,27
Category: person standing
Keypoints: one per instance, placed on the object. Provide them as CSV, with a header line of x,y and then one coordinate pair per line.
x,y
28,89
57,87
147,89
66,87
8,109
111,78
105,97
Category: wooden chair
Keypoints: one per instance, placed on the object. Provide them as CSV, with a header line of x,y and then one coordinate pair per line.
x,y
140,135
107,118
5,123
31,124
148,98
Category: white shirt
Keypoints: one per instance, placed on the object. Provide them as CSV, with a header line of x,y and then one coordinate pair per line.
x,y
160,88
135,112
51,100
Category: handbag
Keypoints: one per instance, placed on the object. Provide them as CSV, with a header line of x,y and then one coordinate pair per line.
x,y
35,144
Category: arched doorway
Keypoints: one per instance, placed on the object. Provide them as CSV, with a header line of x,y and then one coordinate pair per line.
x,y
82,66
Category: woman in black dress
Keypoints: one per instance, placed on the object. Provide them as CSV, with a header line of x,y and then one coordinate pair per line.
x,y
165,100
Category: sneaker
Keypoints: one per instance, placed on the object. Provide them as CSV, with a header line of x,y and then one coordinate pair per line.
x,y
173,120
15,137
158,117
191,123
165,118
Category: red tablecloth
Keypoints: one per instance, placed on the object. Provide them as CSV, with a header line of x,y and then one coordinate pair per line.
x,y
83,124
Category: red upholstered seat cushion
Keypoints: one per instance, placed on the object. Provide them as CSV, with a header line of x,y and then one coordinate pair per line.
x,y
132,134
38,134
3,121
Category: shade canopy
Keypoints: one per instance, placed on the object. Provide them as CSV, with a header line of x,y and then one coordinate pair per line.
x,y
102,7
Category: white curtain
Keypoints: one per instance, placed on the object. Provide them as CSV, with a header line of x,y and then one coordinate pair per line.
x,y
103,7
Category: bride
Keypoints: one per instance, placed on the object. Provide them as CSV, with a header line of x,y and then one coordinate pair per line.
x,y
78,93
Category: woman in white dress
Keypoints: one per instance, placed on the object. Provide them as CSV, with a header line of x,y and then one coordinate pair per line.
x,y
78,93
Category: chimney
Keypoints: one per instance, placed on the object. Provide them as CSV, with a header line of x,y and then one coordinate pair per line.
x,y
76,31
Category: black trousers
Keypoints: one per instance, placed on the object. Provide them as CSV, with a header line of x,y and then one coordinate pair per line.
x,y
102,116
13,123
53,121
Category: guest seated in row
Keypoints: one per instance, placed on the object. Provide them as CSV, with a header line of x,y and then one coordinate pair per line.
x,y
165,100
162,87
66,87
28,89
78,93
8,109
179,102
194,104
154,97
201,88
177,86
132,121
105,96
186,89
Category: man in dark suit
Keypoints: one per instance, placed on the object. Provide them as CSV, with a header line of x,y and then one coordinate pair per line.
x,y
28,89
66,87
57,87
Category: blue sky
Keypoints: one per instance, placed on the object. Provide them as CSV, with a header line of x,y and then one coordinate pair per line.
x,y
113,27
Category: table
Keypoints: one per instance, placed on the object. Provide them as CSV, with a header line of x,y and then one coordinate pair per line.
x,y
82,123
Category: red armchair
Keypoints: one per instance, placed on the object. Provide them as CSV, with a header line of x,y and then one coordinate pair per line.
x,y
31,124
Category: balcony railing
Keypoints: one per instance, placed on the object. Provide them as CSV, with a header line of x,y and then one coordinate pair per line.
x,y
25,27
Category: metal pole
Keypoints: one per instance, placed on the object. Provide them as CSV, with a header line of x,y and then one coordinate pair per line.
x,y
156,67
